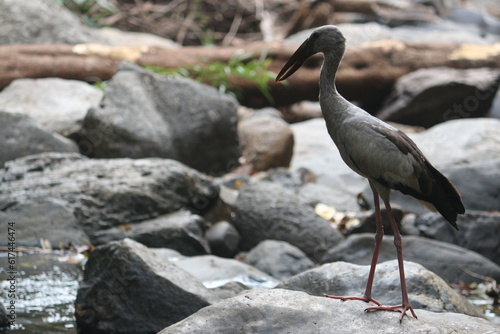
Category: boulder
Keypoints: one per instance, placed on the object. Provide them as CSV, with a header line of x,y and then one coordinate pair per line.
x,y
127,289
425,289
266,141
45,219
443,30
101,194
21,136
144,114
478,183
278,259
478,232
223,239
42,22
181,231
265,210
460,141
476,17
430,96
446,260
214,272
117,37
495,108
58,105
284,311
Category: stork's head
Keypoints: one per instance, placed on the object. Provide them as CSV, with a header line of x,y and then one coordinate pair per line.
x,y
326,39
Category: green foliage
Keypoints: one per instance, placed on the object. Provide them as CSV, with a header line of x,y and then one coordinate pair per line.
x,y
218,74
100,85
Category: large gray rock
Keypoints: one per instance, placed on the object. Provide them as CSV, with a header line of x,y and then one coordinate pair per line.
x,y
47,218
182,231
282,311
128,289
425,289
58,105
223,239
20,136
478,182
446,260
476,17
116,37
42,22
278,259
265,210
103,193
460,141
144,114
266,141
478,232
430,96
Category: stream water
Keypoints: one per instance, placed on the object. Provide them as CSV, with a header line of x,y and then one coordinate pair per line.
x,y
46,287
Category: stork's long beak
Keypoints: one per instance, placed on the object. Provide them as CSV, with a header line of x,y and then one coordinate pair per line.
x,y
296,60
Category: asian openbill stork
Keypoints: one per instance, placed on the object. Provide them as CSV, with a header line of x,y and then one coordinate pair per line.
x,y
387,157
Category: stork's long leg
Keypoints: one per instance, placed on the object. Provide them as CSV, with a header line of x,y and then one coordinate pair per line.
x,y
367,297
405,305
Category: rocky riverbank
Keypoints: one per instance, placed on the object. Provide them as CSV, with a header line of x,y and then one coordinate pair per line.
x,y
197,212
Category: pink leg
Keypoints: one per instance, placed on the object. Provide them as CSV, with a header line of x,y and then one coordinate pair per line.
x,y
405,305
367,296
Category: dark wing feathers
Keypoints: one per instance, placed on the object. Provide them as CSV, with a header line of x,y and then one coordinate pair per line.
x,y
435,188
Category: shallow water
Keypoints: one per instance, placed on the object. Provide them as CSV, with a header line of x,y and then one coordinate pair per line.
x,y
46,287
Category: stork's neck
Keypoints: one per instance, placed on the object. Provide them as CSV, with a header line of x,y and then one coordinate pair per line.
x,y
329,69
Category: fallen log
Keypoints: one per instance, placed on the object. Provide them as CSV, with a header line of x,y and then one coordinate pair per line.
x,y
366,75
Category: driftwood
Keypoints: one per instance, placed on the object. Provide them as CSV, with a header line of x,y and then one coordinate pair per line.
x,y
366,75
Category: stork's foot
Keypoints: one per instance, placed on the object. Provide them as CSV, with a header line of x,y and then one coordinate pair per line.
x,y
363,299
396,308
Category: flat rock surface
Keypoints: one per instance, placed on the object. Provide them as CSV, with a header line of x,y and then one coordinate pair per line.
x,y
58,105
425,289
42,21
284,311
21,136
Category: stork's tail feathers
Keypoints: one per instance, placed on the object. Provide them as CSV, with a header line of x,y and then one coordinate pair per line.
x,y
446,198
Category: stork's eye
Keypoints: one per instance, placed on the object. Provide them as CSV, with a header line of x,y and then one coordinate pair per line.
x,y
314,35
